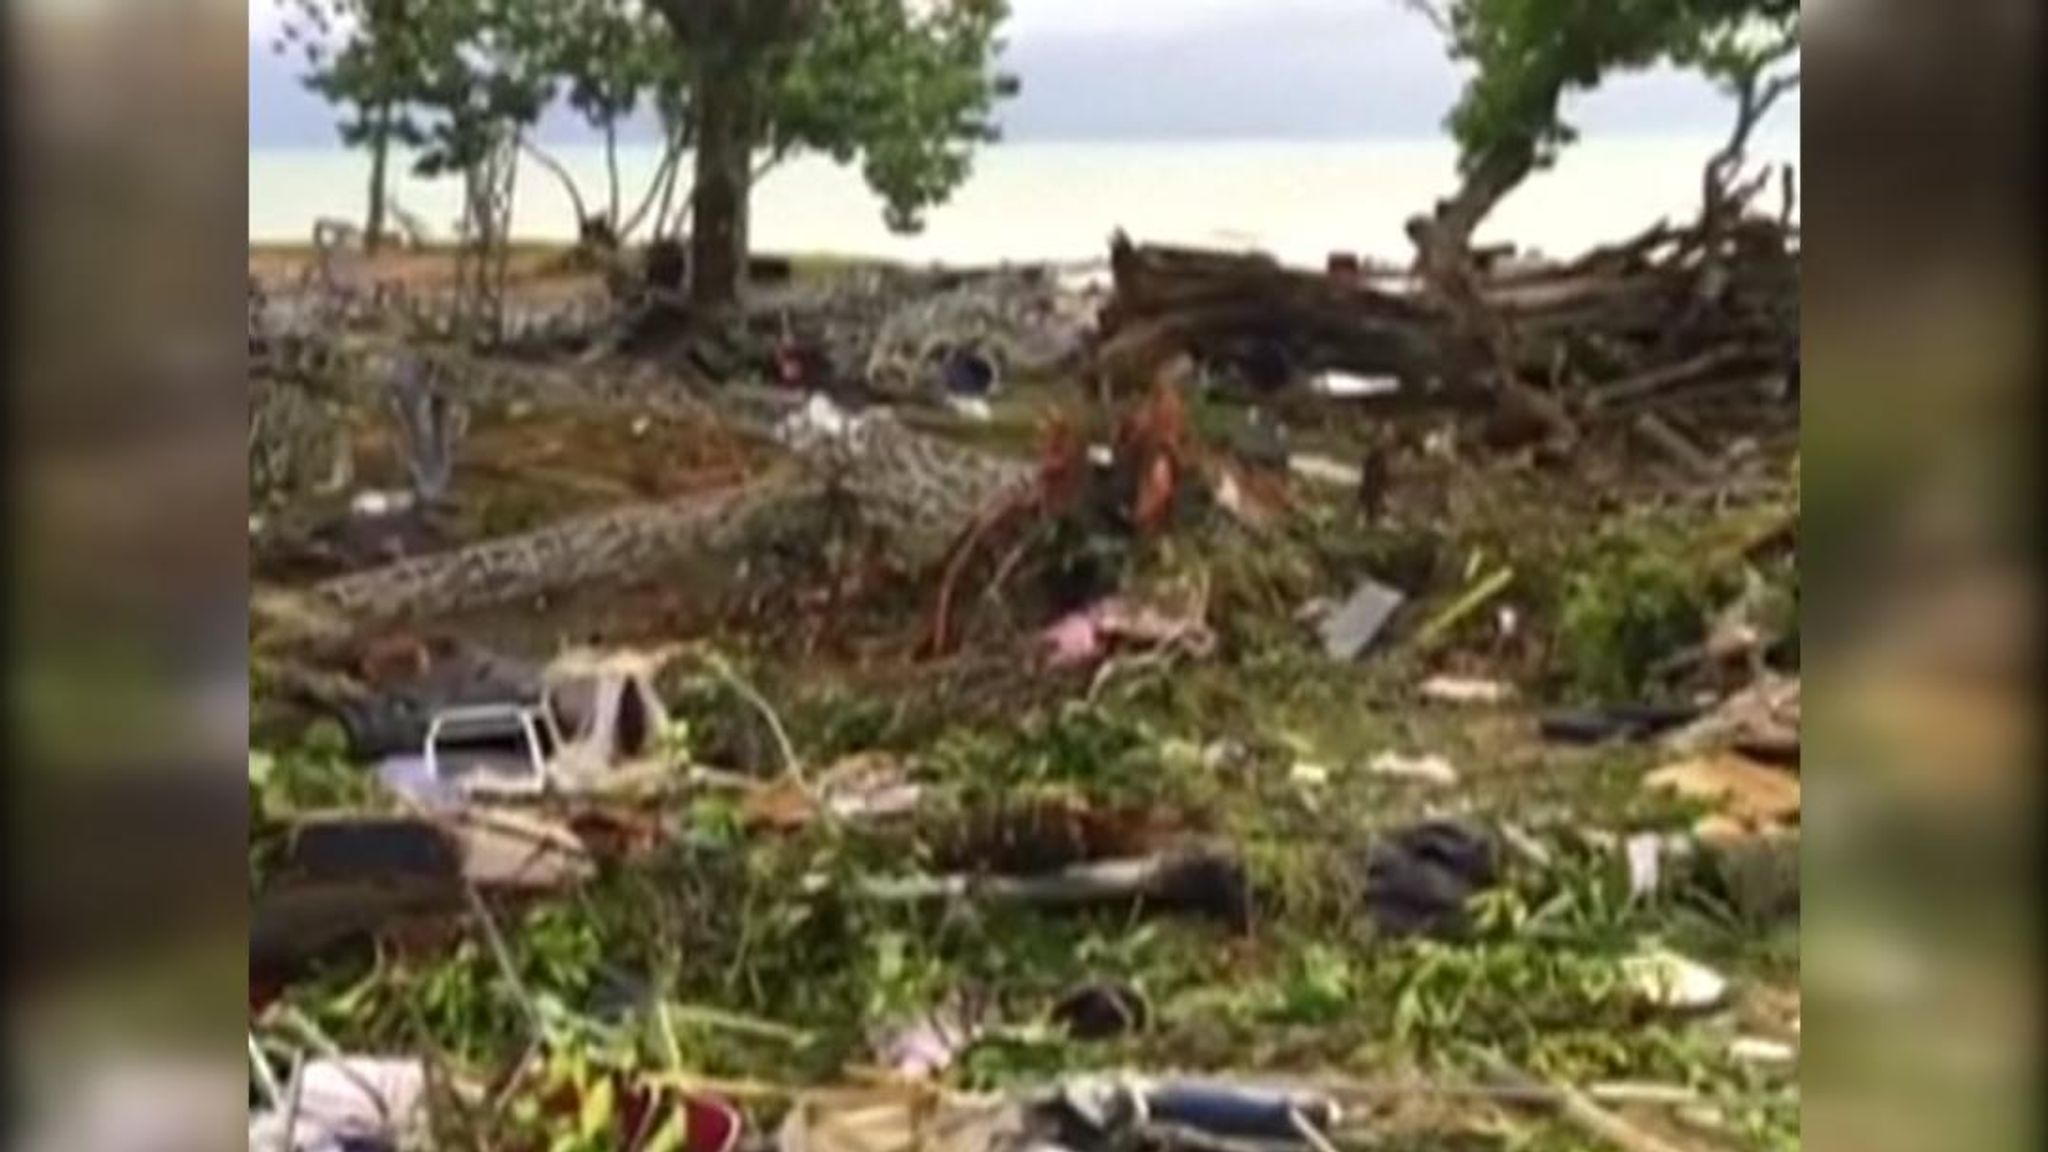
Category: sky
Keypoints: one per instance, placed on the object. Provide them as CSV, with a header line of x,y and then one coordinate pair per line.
x,y
1177,69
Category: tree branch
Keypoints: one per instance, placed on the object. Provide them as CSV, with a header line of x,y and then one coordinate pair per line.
x,y
1754,99
561,174
670,157
774,160
1428,10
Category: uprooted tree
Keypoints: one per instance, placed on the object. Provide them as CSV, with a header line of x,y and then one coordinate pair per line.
x,y
1666,335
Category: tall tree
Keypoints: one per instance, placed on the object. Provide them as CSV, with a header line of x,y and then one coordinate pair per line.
x,y
732,45
904,88
365,57
1527,55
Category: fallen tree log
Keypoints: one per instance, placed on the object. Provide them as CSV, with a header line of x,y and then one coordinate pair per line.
x,y
1715,364
1239,308
922,492
616,544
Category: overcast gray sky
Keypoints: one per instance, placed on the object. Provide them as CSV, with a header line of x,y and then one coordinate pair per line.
x,y
1178,69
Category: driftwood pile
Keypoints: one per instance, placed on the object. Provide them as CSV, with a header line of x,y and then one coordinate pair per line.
x,y
1687,336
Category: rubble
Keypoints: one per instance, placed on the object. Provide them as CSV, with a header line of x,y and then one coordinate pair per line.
x,y
1750,794
1664,357
1667,980
1351,629
1460,690
591,728
1426,769
350,1102
1761,721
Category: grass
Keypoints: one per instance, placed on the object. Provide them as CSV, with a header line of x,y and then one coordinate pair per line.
x,y
727,921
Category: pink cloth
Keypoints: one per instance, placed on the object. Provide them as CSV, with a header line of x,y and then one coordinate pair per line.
x,y
1074,640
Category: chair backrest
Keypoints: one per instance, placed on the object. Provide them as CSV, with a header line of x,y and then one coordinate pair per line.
x,y
499,749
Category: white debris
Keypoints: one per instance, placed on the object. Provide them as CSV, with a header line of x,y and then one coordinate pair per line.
x,y
1645,864
1426,769
1465,690
1665,979
1762,1050
1352,628
819,419
1323,470
1347,385
640,426
377,503
878,803
347,1102
971,408
1309,775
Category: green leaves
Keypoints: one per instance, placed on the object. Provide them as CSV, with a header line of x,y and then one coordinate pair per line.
x,y
609,55
365,57
1529,54
906,95
905,90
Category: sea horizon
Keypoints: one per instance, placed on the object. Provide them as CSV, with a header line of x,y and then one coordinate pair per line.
x,y
1060,201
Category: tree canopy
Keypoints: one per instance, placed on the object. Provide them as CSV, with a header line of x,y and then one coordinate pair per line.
x,y
903,89
1527,56
362,57
906,95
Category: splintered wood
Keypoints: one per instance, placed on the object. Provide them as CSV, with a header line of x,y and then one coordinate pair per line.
x,y
1689,338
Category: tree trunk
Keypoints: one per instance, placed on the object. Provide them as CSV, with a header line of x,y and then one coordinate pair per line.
x,y
1443,244
731,42
380,155
664,174
611,166
668,220
563,178
718,235
1445,238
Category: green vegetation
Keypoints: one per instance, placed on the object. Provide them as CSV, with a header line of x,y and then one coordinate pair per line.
x,y
764,961
1636,597
1528,56
904,90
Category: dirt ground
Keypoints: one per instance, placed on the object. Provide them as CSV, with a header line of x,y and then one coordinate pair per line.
x,y
530,265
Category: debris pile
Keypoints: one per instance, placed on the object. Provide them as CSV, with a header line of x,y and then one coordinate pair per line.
x,y
1688,337
1018,768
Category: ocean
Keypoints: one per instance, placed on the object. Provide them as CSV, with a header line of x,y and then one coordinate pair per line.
x,y
1044,201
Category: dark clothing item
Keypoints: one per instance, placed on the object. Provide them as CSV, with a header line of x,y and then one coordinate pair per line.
x,y
1418,880
1614,722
